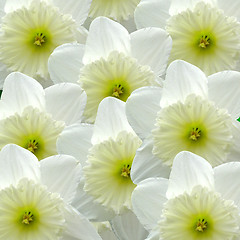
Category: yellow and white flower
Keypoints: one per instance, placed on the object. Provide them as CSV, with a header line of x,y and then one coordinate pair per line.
x,y
195,203
106,151
35,197
31,30
113,62
190,113
33,118
202,32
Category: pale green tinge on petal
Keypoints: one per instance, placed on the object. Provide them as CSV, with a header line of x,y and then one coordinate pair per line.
x,y
108,173
29,35
202,214
33,130
117,76
28,211
206,38
196,125
116,9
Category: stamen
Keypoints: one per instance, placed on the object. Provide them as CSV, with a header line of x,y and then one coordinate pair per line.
x,y
201,225
27,218
117,90
32,146
126,171
195,134
204,41
39,39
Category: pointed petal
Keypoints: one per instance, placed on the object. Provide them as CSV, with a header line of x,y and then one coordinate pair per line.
x,y
61,173
78,9
78,227
223,89
148,199
146,165
17,163
141,109
90,208
227,181
182,79
111,120
105,36
124,224
152,46
189,170
152,13
75,140
66,102
65,62
20,91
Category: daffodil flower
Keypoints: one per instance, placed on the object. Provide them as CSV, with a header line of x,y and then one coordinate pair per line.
x,y
33,117
191,112
35,197
196,202
113,62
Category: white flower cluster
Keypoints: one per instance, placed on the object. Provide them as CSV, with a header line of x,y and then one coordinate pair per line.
x,y
119,120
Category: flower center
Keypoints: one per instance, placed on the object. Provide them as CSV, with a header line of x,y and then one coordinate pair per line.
x,y
201,225
32,145
117,90
204,41
126,171
27,218
195,134
40,39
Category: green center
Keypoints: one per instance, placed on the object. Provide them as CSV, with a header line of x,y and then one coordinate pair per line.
x,y
195,134
118,90
201,225
32,145
27,218
40,39
125,172
204,41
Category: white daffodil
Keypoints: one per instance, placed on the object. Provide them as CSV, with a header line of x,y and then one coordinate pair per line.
x,y
35,197
106,151
113,63
32,29
33,118
197,202
205,33
191,113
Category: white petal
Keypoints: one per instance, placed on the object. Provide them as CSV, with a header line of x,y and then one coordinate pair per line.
x,y
141,109
230,7
62,174
223,89
126,226
182,79
148,199
78,227
75,140
87,205
179,6
65,62
12,5
189,170
111,120
227,181
153,167
4,72
66,102
78,9
152,46
152,13
20,91
105,36
17,163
